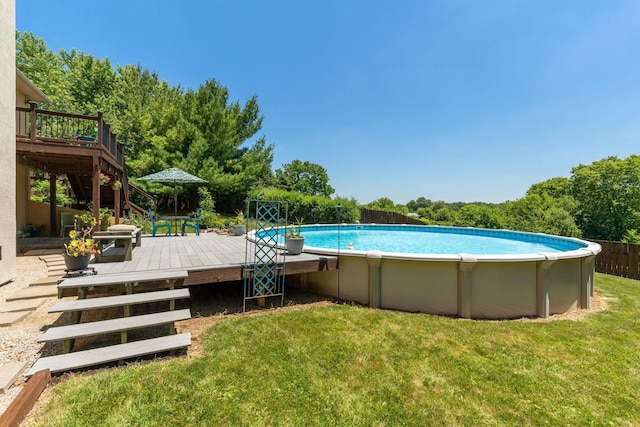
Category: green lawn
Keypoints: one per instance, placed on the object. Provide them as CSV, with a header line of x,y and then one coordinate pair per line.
x,y
354,366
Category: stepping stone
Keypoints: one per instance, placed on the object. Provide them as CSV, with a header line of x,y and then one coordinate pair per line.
x,y
57,272
8,319
46,258
45,281
33,292
9,373
22,305
53,264
44,251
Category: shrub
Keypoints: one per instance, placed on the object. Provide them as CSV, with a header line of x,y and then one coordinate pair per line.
x,y
314,209
139,221
209,218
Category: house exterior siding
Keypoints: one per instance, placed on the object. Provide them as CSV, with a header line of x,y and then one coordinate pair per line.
x,y
7,141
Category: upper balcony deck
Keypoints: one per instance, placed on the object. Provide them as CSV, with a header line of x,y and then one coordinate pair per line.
x,y
65,143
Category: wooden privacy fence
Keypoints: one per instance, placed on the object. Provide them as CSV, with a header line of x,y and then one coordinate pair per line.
x,y
618,259
369,216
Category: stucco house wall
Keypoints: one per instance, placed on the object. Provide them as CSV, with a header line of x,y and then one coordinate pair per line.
x,y
7,141
26,91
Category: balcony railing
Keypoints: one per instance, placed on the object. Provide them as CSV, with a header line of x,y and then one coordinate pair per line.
x,y
36,125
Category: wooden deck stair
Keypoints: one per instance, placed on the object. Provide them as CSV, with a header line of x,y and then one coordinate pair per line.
x,y
126,350
61,333
98,356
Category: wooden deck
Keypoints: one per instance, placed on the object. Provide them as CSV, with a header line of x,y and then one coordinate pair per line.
x,y
208,258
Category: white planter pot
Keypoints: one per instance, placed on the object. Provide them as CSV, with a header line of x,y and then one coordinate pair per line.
x,y
294,245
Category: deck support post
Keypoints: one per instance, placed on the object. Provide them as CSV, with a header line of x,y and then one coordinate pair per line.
x,y
95,197
53,220
116,205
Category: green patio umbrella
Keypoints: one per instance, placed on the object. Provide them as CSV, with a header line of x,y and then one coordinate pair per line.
x,y
176,176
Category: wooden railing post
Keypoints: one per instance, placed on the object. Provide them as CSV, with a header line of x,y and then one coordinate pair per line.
x,y
32,116
100,129
114,148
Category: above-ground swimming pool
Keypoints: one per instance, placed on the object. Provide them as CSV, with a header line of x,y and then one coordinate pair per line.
x,y
433,240
466,272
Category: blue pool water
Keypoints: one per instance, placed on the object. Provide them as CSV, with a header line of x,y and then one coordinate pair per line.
x,y
434,240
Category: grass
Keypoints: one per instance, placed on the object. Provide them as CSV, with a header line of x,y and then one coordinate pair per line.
x,y
347,365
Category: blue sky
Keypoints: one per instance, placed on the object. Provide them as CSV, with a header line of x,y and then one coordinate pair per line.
x,y
455,100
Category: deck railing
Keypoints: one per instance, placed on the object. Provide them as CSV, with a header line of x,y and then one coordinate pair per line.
x,y
36,125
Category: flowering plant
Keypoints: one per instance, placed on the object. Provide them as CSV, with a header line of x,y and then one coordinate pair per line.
x,y
116,184
104,179
81,242
294,230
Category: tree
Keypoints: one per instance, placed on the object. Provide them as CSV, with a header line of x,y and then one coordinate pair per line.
x,y
304,177
90,81
211,140
386,204
143,109
608,196
161,126
557,187
420,202
475,215
43,67
540,213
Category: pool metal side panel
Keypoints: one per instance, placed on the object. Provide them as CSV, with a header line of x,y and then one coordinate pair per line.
x,y
564,288
503,290
348,282
426,287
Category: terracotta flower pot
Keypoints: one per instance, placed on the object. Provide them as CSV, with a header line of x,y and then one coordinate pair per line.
x,y
74,263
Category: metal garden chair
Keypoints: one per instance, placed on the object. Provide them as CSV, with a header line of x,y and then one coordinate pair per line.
x,y
192,223
159,223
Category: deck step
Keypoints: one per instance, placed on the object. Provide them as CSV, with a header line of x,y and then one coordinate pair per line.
x,y
98,356
122,278
119,300
113,325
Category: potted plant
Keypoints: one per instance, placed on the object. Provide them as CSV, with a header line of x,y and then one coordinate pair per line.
x,y
106,214
80,248
293,240
104,179
116,185
239,224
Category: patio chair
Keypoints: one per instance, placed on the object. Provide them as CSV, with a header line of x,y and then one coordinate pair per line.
x,y
66,223
192,223
159,223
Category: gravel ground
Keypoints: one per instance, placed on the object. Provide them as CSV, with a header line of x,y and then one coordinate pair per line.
x,y
18,342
